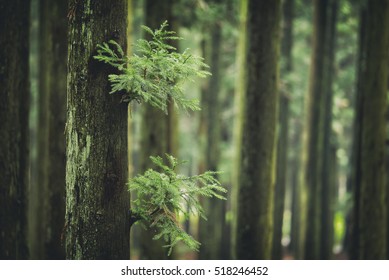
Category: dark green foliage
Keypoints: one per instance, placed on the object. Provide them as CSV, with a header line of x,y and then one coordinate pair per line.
x,y
155,73
163,196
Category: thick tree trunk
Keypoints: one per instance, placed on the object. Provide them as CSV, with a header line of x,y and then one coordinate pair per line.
x,y
97,200
257,171
47,194
14,96
159,134
282,151
369,166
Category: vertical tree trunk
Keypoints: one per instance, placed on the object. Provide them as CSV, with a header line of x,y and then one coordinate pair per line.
x,y
369,166
14,94
211,231
327,198
159,134
257,171
313,154
47,203
239,101
97,200
282,151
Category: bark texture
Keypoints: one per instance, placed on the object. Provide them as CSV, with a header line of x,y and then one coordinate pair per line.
x,y
97,200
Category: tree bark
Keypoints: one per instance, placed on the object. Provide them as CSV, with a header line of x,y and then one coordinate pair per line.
x,y
257,171
97,199
14,94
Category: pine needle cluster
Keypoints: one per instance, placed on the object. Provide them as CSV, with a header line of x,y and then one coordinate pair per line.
x,y
156,72
163,196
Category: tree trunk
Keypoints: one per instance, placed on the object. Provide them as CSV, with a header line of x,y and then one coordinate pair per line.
x,y
257,163
97,201
159,131
282,151
47,194
14,94
239,100
211,230
314,141
327,198
369,165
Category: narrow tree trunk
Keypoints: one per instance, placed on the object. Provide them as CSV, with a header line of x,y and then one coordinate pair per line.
x,y
282,151
14,96
239,101
47,194
211,231
313,164
369,166
257,171
97,200
327,198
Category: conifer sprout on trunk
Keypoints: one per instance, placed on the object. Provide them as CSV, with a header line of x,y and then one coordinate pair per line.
x,y
162,196
154,74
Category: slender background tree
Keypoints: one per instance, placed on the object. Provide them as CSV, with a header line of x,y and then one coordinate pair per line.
x,y
47,192
14,94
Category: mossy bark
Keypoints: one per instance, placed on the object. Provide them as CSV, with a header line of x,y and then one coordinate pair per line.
x,y
283,128
14,96
47,193
257,171
370,130
159,131
97,199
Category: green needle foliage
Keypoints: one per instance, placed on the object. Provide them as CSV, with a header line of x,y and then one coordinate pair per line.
x,y
163,196
156,72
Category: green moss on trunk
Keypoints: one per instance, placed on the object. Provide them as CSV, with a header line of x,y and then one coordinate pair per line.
x,y
97,199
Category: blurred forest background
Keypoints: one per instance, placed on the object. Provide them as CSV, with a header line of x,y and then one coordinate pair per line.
x,y
294,114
